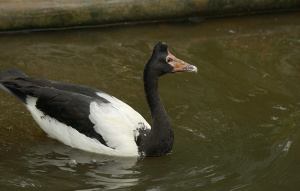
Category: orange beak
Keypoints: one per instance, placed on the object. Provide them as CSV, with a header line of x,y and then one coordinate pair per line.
x,y
179,65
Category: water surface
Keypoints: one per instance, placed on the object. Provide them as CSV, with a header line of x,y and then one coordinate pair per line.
x,y
236,121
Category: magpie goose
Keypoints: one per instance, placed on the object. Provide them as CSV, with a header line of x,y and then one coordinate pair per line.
x,y
94,121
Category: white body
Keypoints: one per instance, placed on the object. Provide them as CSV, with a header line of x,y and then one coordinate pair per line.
x,y
116,122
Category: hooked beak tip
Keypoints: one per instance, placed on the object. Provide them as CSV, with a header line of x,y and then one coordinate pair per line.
x,y
194,69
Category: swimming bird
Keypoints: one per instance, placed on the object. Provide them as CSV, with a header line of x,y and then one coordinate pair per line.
x,y
94,121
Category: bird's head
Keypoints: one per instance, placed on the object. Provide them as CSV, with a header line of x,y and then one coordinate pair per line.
x,y
163,62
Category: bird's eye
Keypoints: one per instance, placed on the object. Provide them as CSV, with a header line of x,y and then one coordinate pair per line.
x,y
169,59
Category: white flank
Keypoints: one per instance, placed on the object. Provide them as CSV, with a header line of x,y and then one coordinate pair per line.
x,y
116,122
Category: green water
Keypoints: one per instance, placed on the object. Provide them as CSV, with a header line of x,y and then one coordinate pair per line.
x,y
236,122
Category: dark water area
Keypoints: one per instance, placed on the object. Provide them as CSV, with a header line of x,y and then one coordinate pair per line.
x,y
236,122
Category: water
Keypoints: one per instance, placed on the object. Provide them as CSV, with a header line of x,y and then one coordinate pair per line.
x,y
236,121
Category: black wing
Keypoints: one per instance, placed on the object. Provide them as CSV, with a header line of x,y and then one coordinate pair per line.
x,y
67,103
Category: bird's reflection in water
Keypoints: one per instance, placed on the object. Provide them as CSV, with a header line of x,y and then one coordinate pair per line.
x,y
65,163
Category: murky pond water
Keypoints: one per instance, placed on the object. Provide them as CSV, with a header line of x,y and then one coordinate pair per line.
x,y
236,122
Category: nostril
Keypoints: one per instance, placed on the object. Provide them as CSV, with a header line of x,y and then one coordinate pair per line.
x,y
169,59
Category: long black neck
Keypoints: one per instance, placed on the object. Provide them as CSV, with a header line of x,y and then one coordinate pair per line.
x,y
159,142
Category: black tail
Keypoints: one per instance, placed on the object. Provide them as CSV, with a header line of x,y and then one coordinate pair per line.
x,y
7,79
12,73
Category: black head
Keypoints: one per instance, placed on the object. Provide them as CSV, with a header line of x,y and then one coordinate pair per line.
x,y
163,62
